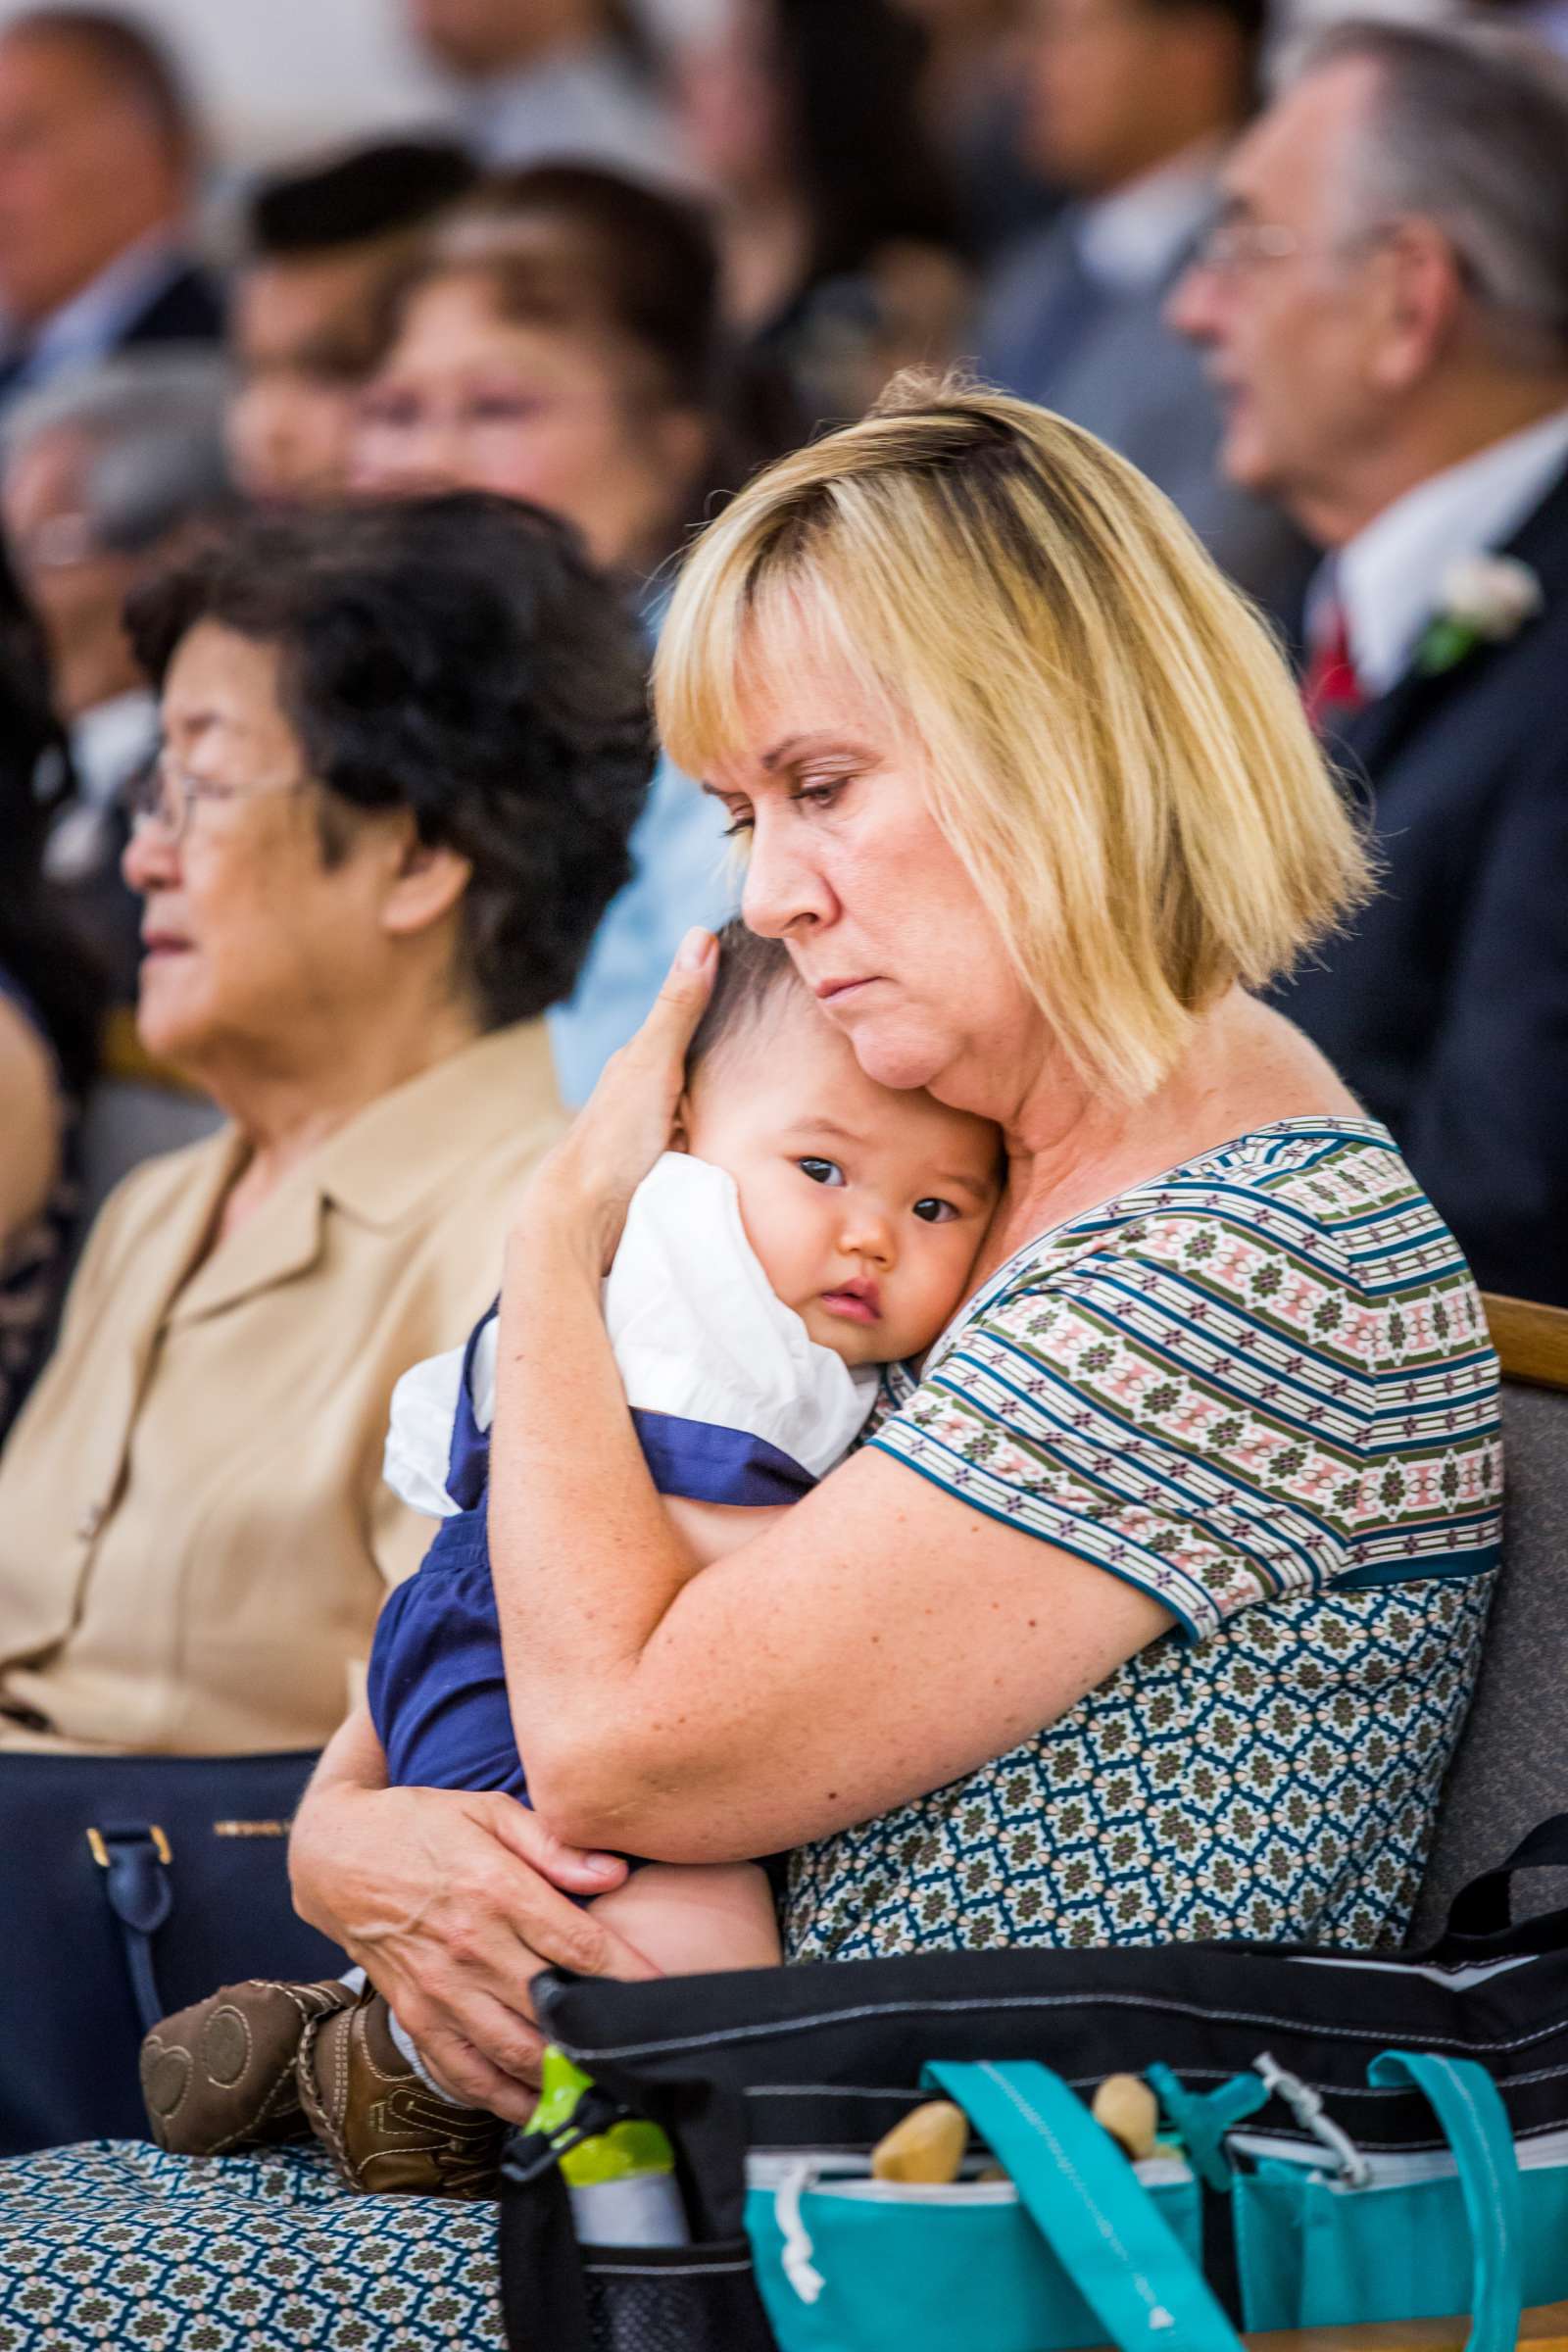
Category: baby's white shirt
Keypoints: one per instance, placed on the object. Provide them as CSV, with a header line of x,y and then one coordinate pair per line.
x,y
698,1335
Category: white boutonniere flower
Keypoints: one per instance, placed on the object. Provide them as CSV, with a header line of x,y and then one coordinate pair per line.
x,y
1484,601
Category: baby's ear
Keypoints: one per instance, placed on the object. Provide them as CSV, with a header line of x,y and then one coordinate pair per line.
x,y
680,1125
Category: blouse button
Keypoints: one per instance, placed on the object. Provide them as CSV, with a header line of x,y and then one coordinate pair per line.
x,y
91,1520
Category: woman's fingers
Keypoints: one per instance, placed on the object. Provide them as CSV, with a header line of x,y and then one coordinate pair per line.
x,y
688,984
568,1867
467,2076
582,1190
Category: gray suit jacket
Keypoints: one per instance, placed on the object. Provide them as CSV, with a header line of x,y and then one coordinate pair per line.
x,y
1120,371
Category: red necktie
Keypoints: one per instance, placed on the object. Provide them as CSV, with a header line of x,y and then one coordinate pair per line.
x,y
1330,689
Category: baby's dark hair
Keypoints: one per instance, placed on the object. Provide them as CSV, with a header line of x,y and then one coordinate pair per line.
x,y
754,975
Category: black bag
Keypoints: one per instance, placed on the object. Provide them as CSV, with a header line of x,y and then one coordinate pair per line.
x,y
130,1885
827,2059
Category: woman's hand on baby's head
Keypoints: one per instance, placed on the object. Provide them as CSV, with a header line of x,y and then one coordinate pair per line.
x,y
584,1187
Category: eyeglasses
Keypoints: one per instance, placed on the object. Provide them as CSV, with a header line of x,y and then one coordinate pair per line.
x,y
168,797
1236,248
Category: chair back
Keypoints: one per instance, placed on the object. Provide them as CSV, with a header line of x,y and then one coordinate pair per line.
x,y
1510,1769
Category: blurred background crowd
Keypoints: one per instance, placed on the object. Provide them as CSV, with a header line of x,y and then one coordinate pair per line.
x,y
607,258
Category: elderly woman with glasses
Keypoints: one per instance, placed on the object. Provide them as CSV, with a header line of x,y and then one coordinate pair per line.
x,y
403,751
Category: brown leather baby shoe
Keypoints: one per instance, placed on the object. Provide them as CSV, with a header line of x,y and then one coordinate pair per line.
x,y
387,2130
221,2074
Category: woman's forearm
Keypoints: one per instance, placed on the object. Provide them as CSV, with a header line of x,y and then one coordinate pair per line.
x,y
352,1763
584,1557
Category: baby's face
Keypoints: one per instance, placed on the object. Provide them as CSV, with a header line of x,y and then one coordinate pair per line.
x,y
866,1207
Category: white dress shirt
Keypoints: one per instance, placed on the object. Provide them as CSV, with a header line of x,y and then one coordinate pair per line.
x,y
1389,578
110,745
1131,239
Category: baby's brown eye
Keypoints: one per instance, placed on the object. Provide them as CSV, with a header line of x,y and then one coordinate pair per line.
x,y
821,1171
935,1212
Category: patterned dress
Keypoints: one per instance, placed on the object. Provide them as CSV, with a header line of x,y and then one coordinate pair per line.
x,y
1261,1387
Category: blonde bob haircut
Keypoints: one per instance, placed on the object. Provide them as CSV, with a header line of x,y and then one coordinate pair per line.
x,y
1108,734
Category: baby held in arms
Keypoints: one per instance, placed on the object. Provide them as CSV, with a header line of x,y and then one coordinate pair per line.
x,y
807,1228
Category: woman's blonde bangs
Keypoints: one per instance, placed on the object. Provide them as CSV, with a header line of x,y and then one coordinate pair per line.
x,y
1111,739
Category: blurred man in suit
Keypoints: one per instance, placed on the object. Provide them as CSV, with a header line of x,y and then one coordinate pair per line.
x,y
1131,105
98,158
102,473
322,247
1386,304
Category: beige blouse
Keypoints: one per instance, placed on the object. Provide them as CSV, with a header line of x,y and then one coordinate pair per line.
x,y
194,1533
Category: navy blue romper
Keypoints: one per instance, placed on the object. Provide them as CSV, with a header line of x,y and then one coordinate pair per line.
x,y
437,1684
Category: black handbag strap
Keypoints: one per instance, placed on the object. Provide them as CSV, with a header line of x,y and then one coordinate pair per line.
x,y
139,1885
544,2292
1482,1911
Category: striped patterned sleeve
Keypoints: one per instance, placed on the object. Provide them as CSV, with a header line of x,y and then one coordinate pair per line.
x,y
1151,1406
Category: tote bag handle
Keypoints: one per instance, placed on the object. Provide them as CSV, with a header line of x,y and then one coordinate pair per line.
x,y
1481,1913
1086,2202
1475,2122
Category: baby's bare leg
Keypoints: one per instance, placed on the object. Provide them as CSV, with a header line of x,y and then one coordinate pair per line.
x,y
691,1919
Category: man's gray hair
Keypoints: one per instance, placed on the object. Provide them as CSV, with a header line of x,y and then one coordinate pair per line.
x,y
151,428
1469,130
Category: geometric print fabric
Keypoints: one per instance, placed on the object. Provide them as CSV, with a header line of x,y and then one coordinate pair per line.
x,y
1261,1387
116,2244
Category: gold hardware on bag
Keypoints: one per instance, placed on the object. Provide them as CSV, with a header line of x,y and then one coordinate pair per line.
x,y
100,1851
250,1829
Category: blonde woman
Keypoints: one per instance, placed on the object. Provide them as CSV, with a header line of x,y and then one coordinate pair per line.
x,y
1151,1610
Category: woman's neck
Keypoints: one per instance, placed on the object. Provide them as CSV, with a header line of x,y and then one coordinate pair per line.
x,y
286,1111
1069,1148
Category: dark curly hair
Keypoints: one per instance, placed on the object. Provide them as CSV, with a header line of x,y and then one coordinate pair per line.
x,y
458,657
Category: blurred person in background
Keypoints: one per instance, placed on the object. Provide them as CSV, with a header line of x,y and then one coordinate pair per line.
x,y
560,342
545,80
1131,105
98,165
1386,305
403,751
838,231
321,246
973,109
50,999
101,473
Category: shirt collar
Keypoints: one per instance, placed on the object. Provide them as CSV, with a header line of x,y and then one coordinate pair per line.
x,y
412,1141
1131,239
1390,576
91,325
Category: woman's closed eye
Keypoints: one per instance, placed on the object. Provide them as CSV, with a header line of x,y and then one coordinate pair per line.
x,y
392,411
821,1171
820,792
503,408
936,1212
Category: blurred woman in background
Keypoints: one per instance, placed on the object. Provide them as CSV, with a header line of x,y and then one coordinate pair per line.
x,y
560,342
403,753
839,232
50,1002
